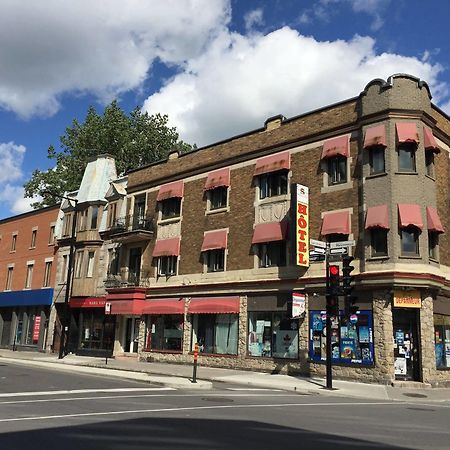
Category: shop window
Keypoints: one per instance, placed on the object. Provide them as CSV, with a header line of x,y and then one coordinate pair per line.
x,y
442,340
29,276
94,217
164,332
337,170
433,242
9,277
429,163
13,243
218,197
272,254
170,208
410,241
351,341
215,260
33,238
216,333
272,334
378,238
90,265
96,331
407,157
167,266
47,274
376,160
273,184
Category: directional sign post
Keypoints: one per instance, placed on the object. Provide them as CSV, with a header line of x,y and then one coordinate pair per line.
x,y
315,243
338,251
342,244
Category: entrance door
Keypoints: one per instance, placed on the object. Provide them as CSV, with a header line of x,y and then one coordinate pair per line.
x,y
406,344
131,335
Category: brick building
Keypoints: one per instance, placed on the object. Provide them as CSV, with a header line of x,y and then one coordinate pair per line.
x,y
210,260
27,275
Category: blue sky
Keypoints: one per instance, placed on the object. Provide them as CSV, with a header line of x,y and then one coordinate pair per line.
x,y
216,67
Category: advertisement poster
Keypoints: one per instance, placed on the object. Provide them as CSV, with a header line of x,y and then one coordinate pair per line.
x,y
36,328
348,348
399,337
286,344
364,334
400,366
298,305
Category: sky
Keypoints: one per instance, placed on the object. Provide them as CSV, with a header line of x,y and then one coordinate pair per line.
x,y
218,68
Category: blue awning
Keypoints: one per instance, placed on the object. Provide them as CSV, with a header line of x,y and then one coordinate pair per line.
x,y
27,298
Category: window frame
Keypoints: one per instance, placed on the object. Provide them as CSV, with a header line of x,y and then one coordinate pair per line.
x,y
79,256
333,165
90,264
273,184
33,238
215,260
47,274
266,249
13,242
429,163
411,231
167,262
377,152
221,193
433,245
376,236
170,208
29,276
9,278
402,149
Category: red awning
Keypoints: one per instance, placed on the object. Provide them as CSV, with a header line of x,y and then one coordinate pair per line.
x,y
377,217
164,306
214,240
410,215
217,179
336,146
433,221
171,190
336,223
273,163
407,132
429,142
87,302
167,247
127,307
214,305
269,232
375,136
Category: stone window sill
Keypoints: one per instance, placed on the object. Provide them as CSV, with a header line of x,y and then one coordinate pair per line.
x,y
218,210
376,175
409,257
378,258
406,173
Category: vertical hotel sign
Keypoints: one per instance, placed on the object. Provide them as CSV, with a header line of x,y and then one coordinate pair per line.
x,y
301,225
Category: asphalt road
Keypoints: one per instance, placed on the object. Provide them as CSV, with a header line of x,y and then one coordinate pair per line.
x,y
46,409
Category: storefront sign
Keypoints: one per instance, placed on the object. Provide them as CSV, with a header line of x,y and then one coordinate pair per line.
x,y
298,305
407,299
36,328
302,225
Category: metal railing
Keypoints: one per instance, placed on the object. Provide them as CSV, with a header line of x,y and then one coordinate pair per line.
x,y
132,223
131,279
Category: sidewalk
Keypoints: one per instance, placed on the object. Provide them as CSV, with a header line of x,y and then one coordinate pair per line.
x,y
179,376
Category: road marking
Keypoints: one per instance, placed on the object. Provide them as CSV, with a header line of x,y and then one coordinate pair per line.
x,y
192,408
82,391
253,389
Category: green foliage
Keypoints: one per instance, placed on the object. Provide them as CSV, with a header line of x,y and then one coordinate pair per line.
x,y
133,140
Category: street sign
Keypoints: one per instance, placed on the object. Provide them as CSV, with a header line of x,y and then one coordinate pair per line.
x,y
342,244
338,251
316,257
320,244
322,251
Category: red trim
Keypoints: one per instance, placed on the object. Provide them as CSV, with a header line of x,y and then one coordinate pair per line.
x,y
167,247
214,305
375,136
125,307
217,179
164,306
215,240
273,163
336,146
171,190
117,294
87,302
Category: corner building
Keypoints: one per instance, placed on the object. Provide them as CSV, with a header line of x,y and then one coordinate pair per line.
x,y
215,266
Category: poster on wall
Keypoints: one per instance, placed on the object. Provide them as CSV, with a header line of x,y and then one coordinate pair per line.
x,y
298,305
400,366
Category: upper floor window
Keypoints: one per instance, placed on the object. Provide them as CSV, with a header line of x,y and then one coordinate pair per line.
x,y
379,241
410,241
170,208
94,217
335,154
78,263
47,274
216,187
29,276
112,211
337,170
377,223
433,241
67,224
169,198
90,265
435,227
33,238
14,242
218,198
429,163
272,254
51,235
215,260
376,160
375,142
9,277
167,265
410,224
407,157
273,184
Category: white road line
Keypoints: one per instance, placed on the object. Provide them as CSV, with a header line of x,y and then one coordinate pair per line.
x,y
191,408
82,391
253,389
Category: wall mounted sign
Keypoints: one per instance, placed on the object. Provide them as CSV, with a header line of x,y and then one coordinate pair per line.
x,y
407,299
301,205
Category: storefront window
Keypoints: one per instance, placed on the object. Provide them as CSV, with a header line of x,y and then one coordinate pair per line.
x,y
164,332
272,334
351,340
442,340
216,333
96,331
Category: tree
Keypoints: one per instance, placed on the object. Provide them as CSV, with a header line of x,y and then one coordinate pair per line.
x,y
133,140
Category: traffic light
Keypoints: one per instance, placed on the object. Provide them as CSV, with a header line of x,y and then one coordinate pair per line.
x,y
333,280
347,286
332,305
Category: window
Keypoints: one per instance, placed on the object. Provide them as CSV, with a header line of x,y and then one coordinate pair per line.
x,y
442,340
9,277
379,241
113,261
215,260
273,184
216,333
83,220
14,242
218,197
407,157
376,157
337,170
272,254
272,334
433,241
51,236
167,265
170,208
29,277
164,332
429,162
112,214
33,238
94,217
410,241
47,273
90,264
78,263
67,224
63,277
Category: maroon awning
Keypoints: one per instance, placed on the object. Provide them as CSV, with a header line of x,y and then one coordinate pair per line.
x,y
269,232
429,142
273,163
336,223
171,190
214,305
410,215
164,306
167,247
217,179
336,146
377,217
407,132
214,240
433,221
127,307
87,302
375,136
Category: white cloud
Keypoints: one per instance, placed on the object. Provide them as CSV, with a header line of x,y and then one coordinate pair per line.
x,y
102,47
253,18
241,80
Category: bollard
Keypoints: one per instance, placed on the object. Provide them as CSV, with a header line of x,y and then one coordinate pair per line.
x,y
194,373
106,360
